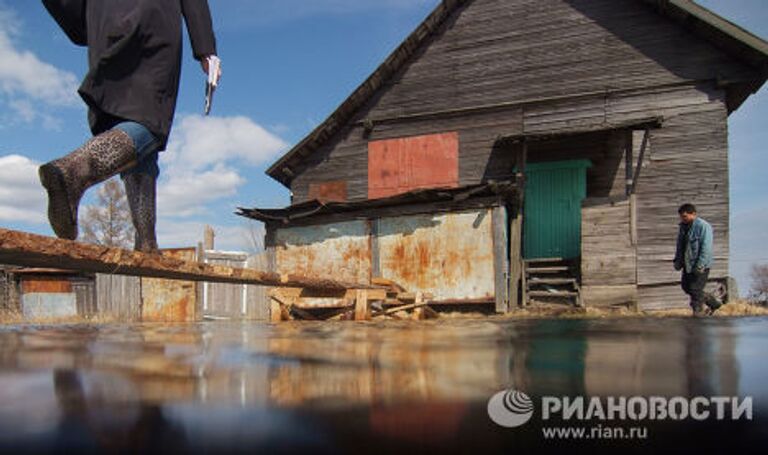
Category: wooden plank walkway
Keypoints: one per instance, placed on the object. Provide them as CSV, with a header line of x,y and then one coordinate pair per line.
x,y
30,250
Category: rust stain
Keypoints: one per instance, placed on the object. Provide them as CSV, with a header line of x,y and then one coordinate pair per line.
x,y
170,300
446,255
341,251
400,165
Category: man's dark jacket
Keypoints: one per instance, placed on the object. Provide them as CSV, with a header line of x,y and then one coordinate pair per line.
x,y
134,55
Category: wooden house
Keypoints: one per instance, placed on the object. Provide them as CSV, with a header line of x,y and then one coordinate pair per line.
x,y
520,150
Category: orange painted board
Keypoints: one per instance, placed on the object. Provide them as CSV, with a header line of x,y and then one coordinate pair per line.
x,y
328,191
46,286
400,165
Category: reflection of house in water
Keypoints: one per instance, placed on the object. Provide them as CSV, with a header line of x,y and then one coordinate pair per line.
x,y
295,366
501,133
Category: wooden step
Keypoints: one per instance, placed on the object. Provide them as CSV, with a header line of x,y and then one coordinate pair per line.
x,y
554,269
552,294
553,281
539,261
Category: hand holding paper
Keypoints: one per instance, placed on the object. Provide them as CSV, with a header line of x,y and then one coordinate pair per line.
x,y
212,65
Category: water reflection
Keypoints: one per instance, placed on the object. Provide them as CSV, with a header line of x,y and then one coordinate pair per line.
x,y
314,385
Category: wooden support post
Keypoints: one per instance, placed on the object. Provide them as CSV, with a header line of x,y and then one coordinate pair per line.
x,y
633,219
629,161
275,310
640,159
501,258
362,310
515,260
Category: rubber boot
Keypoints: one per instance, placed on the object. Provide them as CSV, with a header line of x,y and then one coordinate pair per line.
x,y
140,188
67,178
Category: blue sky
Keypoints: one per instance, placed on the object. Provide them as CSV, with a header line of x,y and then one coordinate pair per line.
x,y
287,64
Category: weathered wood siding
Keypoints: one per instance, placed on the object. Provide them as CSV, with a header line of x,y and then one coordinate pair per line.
x,y
499,67
118,297
608,254
234,301
688,163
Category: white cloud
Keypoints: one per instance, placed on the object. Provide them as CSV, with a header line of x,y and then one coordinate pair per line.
x,y
30,87
23,74
204,160
22,198
200,141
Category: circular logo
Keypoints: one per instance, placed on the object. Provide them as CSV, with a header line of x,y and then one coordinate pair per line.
x,y
510,408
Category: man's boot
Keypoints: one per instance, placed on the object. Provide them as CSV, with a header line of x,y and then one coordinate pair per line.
x,y
140,188
67,178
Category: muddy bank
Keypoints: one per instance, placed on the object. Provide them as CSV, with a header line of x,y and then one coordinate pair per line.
x,y
740,308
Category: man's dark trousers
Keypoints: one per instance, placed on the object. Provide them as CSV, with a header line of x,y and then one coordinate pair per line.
x,y
694,284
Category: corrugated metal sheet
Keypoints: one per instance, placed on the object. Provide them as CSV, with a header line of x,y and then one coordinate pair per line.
x,y
400,165
553,195
170,300
338,250
448,255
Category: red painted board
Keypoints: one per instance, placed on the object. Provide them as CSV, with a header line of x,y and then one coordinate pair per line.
x,y
400,165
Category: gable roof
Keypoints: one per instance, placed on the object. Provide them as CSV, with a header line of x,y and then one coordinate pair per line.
x,y
729,37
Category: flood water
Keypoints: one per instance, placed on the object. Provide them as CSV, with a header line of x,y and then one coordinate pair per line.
x,y
376,387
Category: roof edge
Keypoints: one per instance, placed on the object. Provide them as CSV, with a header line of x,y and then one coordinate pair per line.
x,y
722,24
362,93
755,47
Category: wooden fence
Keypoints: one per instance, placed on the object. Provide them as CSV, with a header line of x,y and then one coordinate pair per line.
x,y
122,297
230,301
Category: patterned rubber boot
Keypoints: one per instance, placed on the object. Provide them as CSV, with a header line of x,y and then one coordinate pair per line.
x,y
141,191
67,178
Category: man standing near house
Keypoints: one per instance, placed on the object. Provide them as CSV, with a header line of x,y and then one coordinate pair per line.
x,y
694,258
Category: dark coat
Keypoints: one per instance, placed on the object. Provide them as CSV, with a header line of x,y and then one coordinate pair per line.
x,y
134,56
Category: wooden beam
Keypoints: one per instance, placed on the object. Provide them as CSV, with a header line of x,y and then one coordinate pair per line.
x,y
629,160
30,250
501,258
640,159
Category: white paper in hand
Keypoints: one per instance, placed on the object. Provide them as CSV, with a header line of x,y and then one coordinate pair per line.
x,y
214,65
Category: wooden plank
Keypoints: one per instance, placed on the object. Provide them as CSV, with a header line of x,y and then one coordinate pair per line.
x,y
500,258
604,296
362,310
275,310
30,250
515,260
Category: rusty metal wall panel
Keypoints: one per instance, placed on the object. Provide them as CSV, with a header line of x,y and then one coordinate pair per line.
x,y
449,255
400,165
170,300
338,250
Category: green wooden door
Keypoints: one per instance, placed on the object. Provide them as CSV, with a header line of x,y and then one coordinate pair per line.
x,y
552,218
